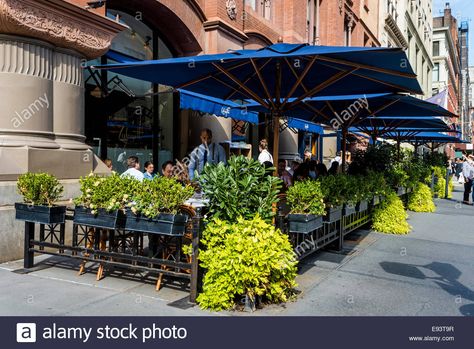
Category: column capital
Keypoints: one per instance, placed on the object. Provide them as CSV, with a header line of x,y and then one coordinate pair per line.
x,y
59,23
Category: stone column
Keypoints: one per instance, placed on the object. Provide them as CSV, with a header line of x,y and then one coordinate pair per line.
x,y
42,46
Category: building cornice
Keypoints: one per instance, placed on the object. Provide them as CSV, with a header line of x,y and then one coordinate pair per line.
x,y
218,24
392,27
59,23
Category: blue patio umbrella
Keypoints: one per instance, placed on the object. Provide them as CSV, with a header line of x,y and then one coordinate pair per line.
x,y
436,139
280,76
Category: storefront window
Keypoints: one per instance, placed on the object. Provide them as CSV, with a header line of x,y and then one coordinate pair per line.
x,y
126,116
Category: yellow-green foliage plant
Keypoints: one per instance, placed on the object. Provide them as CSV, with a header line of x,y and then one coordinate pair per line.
x,y
421,200
390,216
245,258
450,188
440,187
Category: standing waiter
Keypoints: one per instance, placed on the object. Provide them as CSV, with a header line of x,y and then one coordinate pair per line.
x,y
206,153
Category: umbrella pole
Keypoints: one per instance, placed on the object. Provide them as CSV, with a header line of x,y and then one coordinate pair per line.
x,y
398,149
344,138
276,140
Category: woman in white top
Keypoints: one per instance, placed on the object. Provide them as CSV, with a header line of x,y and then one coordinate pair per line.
x,y
264,155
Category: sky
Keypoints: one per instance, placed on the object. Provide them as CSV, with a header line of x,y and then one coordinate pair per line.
x,y
463,10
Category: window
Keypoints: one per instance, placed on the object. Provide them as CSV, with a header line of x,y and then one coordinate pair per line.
x,y
266,9
436,72
311,21
252,4
435,48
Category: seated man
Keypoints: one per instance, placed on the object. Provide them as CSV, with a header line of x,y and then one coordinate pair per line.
x,y
133,165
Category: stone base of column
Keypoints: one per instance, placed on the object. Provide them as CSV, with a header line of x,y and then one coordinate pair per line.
x,y
62,163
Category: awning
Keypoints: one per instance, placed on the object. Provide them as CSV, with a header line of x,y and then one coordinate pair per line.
x,y
215,106
305,126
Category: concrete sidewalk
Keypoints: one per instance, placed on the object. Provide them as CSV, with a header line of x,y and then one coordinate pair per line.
x,y
428,272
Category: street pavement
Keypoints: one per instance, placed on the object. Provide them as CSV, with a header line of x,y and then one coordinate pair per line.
x,y
429,272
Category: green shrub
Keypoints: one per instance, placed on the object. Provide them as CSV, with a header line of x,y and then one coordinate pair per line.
x,y
390,216
109,193
416,171
376,184
397,177
240,189
421,200
246,258
306,197
440,187
159,195
450,188
39,188
333,189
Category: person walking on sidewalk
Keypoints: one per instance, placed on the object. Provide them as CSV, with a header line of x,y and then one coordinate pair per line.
x,y
468,174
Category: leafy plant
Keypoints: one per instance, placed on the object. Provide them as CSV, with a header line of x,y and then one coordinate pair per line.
x,y
440,187
245,258
421,200
333,189
378,158
306,197
376,184
416,171
390,216
240,189
397,177
109,193
159,195
39,188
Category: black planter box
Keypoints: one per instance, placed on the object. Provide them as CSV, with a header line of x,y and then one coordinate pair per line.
x,y
333,214
401,191
348,209
40,214
103,219
376,200
362,206
164,223
304,223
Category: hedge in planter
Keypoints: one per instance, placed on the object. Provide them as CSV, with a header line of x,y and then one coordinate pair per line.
x,y
390,216
155,207
248,258
421,200
240,189
40,191
306,202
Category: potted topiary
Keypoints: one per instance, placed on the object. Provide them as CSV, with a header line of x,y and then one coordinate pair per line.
x,y
307,207
352,196
103,200
333,188
40,191
155,207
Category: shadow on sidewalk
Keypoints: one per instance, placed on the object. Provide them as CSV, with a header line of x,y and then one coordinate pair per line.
x,y
447,279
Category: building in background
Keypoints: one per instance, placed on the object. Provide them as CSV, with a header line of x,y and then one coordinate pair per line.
x,y
408,24
470,110
465,120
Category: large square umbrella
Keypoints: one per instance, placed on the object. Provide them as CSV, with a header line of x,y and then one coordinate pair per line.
x,y
281,76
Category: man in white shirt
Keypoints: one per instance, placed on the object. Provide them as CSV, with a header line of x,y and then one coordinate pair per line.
x,y
468,173
133,171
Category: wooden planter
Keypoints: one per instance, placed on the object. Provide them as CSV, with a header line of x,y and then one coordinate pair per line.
x,y
40,214
164,223
304,223
348,209
103,219
362,206
333,214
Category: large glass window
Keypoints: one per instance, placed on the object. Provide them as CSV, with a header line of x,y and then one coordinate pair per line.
x,y
435,48
126,116
436,72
